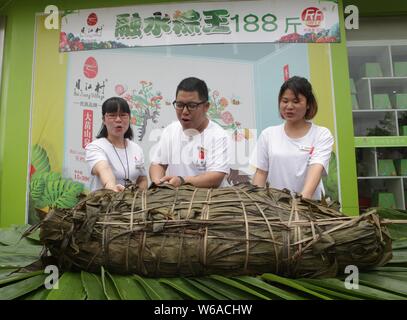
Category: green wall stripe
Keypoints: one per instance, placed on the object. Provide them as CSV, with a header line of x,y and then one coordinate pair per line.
x,y
344,124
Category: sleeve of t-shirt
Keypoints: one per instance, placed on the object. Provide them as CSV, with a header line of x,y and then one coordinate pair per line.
x,y
260,158
143,169
218,157
93,154
161,154
322,150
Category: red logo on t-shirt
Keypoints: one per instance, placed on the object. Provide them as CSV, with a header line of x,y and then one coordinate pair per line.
x,y
201,153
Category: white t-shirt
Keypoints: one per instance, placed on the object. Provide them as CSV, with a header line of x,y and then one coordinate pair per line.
x,y
102,149
287,159
193,155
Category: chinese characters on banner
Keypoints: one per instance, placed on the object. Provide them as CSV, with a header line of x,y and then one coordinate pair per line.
x,y
191,23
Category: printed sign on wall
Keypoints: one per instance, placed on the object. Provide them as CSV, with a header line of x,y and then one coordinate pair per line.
x,y
208,22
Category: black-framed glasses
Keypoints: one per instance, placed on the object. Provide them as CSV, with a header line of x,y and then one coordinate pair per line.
x,y
113,116
191,106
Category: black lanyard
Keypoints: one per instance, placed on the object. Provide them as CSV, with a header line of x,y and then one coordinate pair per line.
x,y
126,174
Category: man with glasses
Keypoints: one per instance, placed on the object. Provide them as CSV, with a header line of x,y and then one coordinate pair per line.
x,y
192,150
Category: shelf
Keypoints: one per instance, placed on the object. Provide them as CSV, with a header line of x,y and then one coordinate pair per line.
x,y
379,72
378,123
382,177
387,141
377,110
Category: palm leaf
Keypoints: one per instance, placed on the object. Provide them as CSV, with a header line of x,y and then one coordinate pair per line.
x,y
157,291
239,286
293,284
19,276
39,294
108,286
69,288
275,292
128,288
364,291
92,285
208,291
228,291
21,288
187,289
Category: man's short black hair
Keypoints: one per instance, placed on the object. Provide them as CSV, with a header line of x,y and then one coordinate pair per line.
x,y
194,84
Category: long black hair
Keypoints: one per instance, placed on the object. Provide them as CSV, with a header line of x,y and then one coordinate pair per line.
x,y
112,105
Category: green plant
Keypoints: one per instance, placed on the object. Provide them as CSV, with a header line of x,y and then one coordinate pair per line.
x,y
384,128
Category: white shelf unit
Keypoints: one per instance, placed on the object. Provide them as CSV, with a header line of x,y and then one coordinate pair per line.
x,y
371,121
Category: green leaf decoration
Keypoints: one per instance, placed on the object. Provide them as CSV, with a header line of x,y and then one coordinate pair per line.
x,y
50,189
39,159
37,186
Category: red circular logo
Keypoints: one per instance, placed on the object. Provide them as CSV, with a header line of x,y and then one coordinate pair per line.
x,y
92,19
312,17
90,69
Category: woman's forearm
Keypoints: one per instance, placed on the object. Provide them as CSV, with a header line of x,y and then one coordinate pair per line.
x,y
312,180
260,178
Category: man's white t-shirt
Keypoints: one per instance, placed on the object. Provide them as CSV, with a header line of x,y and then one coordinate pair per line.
x,y
287,159
101,149
192,155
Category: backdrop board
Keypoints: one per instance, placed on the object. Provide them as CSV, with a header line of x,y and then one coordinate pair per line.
x,y
243,79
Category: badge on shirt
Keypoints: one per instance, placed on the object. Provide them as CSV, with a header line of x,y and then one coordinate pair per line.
x,y
201,163
309,149
139,163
